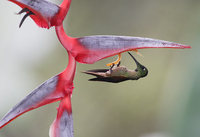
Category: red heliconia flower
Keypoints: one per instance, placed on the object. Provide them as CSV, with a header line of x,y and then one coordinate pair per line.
x,y
44,13
88,49
57,88
63,124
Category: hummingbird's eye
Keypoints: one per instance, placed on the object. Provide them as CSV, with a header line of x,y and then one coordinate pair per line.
x,y
143,68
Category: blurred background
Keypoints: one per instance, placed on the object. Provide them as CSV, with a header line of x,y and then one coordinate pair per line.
x,y
163,104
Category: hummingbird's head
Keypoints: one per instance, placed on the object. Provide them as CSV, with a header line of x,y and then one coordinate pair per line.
x,y
142,70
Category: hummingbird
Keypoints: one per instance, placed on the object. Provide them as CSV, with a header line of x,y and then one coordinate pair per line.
x,y
118,73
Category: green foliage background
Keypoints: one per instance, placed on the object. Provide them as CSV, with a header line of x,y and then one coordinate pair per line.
x,y
164,104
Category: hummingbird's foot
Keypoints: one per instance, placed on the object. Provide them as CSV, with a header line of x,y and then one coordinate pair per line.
x,y
119,64
115,62
111,67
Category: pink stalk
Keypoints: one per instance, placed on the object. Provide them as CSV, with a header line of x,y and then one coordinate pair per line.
x,y
63,124
57,88
88,49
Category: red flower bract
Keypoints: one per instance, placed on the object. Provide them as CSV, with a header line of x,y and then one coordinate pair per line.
x,y
88,49
45,14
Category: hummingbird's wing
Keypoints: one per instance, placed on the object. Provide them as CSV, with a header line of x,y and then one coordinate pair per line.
x,y
115,79
94,48
43,12
97,72
101,76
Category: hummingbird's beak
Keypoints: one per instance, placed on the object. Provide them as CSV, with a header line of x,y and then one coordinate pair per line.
x,y
137,63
